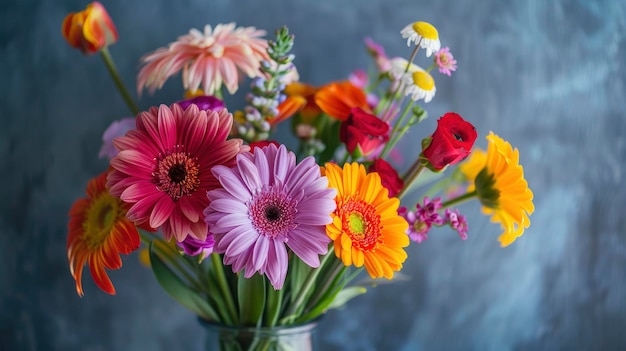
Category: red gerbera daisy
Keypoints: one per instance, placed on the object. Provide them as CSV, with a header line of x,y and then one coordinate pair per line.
x,y
164,167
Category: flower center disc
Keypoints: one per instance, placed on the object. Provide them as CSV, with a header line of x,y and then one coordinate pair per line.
x,y
100,218
426,30
362,224
176,174
273,213
423,80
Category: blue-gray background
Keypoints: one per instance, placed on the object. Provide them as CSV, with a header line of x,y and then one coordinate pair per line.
x,y
548,76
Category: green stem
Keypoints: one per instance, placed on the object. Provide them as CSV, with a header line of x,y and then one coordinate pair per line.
x,y
374,85
396,126
110,65
308,283
223,284
413,173
459,199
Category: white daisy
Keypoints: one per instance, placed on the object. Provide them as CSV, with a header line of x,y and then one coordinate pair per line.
x,y
423,34
420,85
399,68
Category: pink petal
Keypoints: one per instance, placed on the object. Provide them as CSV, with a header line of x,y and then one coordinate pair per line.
x,y
138,190
259,253
161,211
232,183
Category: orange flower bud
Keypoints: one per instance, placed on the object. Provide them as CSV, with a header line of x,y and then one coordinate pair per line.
x,y
89,30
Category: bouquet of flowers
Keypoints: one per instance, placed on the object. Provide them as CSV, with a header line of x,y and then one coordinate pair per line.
x,y
245,230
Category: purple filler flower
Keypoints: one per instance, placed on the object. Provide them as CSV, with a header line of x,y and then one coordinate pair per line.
x,y
194,247
116,129
457,222
268,203
422,219
416,230
204,103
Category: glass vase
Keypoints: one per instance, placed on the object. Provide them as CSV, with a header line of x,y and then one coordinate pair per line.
x,y
289,338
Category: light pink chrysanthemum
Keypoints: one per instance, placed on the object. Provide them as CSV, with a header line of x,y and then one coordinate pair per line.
x,y
163,167
445,61
266,204
209,59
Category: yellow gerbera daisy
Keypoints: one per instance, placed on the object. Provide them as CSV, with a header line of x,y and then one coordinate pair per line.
x,y
366,227
498,179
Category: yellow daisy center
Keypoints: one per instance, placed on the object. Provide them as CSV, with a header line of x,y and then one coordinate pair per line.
x,y
100,218
426,30
361,223
423,80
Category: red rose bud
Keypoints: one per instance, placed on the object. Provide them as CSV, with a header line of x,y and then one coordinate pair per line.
x,y
364,130
451,143
388,176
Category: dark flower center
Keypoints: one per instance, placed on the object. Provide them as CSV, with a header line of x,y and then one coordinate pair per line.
x,y
176,173
273,213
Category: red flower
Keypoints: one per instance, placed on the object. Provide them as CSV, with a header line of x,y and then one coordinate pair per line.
x,y
364,130
261,143
451,143
388,176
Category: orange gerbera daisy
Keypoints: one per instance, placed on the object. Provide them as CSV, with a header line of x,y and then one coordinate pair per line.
x,y
366,227
338,98
98,233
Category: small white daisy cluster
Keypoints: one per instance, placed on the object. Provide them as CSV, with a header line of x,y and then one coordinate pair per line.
x,y
415,81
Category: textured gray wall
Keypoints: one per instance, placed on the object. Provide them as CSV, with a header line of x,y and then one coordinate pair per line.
x,y
546,75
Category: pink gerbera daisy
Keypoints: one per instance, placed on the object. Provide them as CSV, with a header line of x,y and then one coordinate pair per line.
x,y
266,204
163,167
208,59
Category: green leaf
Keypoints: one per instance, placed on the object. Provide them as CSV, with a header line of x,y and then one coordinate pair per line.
x,y
298,271
327,298
346,295
330,138
273,305
251,297
174,286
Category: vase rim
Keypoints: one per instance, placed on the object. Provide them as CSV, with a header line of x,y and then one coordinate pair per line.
x,y
292,328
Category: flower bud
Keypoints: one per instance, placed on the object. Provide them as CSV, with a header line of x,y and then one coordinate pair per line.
x,y
90,30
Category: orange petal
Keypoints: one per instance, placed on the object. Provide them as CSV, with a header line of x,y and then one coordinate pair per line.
x,y
338,98
288,108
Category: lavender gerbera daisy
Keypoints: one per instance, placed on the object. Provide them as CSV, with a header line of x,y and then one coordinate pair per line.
x,y
267,204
